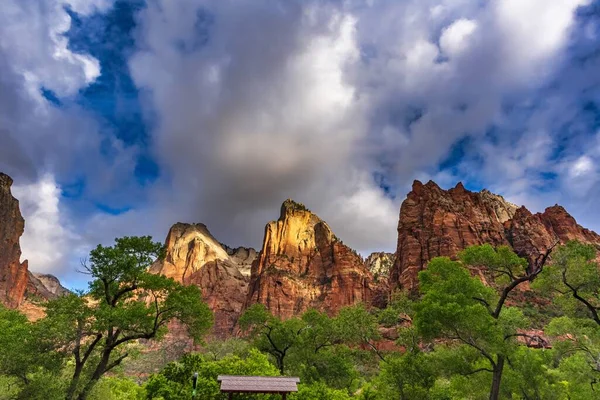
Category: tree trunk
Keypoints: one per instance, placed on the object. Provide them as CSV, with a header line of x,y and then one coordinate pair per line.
x,y
74,382
98,372
280,364
496,378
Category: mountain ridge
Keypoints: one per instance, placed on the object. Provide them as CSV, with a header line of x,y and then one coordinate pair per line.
x,y
302,264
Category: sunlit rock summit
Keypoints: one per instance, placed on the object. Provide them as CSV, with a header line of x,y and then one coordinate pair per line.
x,y
302,264
195,257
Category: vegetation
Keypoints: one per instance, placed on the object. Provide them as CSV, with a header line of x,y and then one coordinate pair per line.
x,y
474,331
84,336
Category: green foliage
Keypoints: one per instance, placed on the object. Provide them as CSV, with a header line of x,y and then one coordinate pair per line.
x,y
90,334
21,351
574,278
218,349
272,335
449,308
501,260
406,376
43,385
319,391
314,346
174,381
9,387
294,205
112,388
456,338
577,380
459,307
400,309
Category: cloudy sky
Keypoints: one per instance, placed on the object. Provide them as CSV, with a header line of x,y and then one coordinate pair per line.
x,y
123,117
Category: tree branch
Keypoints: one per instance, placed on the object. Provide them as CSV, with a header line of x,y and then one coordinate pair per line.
x,y
477,370
475,346
116,362
122,292
91,347
485,303
589,306
538,267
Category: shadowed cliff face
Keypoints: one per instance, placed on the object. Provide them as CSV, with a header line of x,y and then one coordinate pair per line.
x,y
195,257
13,273
436,222
302,265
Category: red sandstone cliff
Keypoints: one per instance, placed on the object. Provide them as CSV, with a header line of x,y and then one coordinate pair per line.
x,y
13,273
303,265
436,222
195,257
19,288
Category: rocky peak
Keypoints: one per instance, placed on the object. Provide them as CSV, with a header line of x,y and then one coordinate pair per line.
x,y
51,284
436,222
243,257
504,210
188,248
302,264
5,182
13,273
195,257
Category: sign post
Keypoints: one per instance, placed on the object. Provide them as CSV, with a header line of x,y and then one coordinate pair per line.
x,y
194,384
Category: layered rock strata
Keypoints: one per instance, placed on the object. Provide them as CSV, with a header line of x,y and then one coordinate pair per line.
x,y
435,222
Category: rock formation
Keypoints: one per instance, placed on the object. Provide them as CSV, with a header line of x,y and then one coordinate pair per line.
x,y
302,264
46,283
380,265
195,257
436,222
13,273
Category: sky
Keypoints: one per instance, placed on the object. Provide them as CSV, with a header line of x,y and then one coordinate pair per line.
x,y
123,117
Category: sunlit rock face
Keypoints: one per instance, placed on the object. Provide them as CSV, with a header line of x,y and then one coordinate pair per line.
x,y
435,222
380,265
302,265
13,272
195,257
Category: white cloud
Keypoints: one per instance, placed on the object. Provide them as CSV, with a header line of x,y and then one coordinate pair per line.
x,y
582,167
454,39
245,124
47,240
32,35
302,99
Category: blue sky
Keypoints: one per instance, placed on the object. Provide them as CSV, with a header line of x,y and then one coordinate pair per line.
x,y
124,117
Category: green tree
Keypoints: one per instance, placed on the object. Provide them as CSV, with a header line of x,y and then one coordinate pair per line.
x,y
272,335
125,303
576,379
21,352
574,277
174,381
460,307
26,362
406,376
311,342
